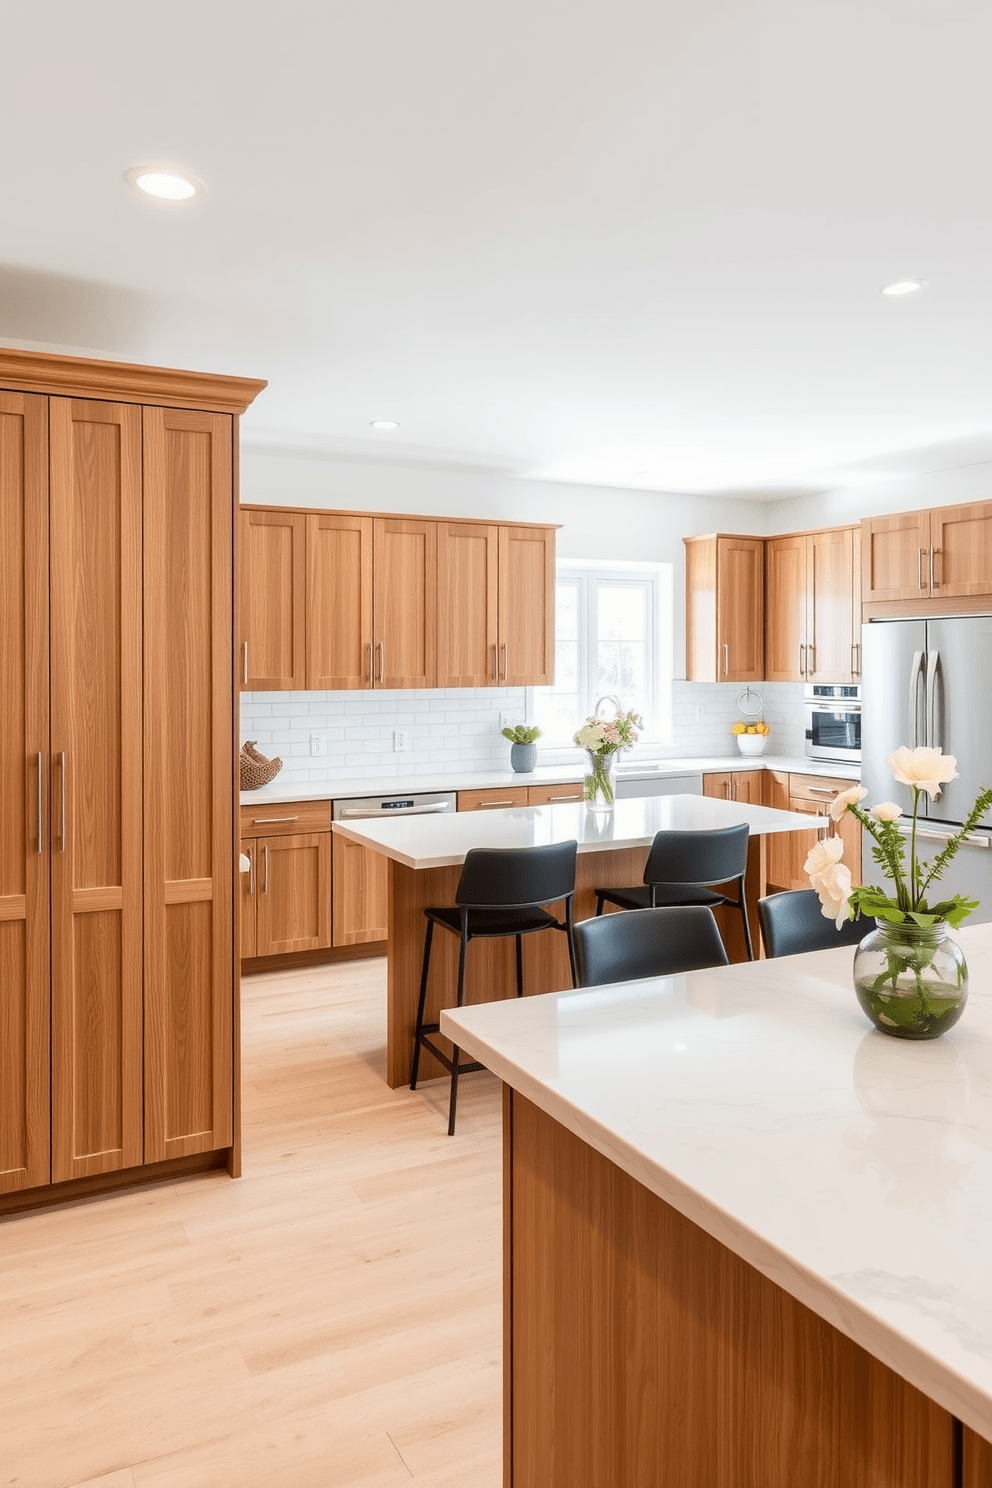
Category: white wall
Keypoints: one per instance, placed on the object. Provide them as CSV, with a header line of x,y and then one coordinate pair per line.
x,y
596,522
902,493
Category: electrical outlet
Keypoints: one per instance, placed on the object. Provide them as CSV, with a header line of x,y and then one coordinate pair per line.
x,y
401,739
318,743
699,713
510,720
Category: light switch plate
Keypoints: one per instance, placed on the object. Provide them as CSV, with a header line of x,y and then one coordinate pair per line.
x,y
401,739
318,743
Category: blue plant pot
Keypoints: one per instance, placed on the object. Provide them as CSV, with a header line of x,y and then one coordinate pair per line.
x,y
523,758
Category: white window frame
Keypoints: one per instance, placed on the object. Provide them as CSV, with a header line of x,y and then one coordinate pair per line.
x,y
658,580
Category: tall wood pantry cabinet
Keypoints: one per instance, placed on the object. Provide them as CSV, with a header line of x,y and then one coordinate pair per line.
x,y
117,771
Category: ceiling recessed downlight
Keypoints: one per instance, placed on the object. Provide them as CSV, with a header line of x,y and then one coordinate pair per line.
x,y
383,424
166,185
904,287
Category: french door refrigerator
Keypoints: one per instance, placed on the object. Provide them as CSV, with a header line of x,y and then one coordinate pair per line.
x,y
930,682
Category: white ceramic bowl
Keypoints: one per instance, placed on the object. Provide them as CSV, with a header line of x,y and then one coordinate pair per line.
x,y
751,743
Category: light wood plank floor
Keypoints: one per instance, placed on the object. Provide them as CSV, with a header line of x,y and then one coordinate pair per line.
x,y
330,1320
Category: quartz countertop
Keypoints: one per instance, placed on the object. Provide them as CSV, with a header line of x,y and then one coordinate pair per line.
x,y
420,842
632,767
852,1169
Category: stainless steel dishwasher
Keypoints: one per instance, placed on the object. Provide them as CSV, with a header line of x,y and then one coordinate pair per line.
x,y
405,803
659,785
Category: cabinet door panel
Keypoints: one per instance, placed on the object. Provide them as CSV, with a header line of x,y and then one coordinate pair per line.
x,y
895,556
339,602
188,778
526,606
360,893
740,607
404,602
961,538
24,861
249,896
97,827
273,600
467,571
786,626
831,580
294,894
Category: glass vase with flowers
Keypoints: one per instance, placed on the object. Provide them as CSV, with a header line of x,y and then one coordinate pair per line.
x,y
910,975
602,741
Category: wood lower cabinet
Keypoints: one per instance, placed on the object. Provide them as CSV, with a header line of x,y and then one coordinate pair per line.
x,y
117,748
360,897
545,795
810,795
286,903
735,785
931,556
724,608
494,799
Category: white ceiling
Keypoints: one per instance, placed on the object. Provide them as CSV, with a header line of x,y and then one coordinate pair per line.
x,y
636,243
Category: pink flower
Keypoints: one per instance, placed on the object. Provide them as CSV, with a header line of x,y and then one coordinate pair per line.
x,y
822,857
927,769
834,889
886,811
851,797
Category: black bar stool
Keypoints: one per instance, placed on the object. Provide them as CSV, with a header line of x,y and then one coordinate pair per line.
x,y
793,921
647,943
683,868
501,892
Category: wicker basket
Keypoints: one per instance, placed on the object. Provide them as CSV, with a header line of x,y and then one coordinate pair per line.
x,y
256,770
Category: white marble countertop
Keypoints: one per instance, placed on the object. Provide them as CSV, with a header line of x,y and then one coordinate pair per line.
x,y
438,841
852,1169
631,765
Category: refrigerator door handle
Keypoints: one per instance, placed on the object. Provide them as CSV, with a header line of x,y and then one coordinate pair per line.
x,y
971,839
933,666
915,673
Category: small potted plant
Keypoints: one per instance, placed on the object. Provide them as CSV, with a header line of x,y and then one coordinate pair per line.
x,y
523,747
751,736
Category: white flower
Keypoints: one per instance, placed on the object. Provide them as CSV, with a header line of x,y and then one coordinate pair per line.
x,y
834,889
886,811
822,857
928,769
851,797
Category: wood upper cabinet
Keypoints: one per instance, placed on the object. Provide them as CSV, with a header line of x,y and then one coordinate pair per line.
x,y
496,602
338,601
937,554
526,606
724,608
272,655
25,796
404,602
812,607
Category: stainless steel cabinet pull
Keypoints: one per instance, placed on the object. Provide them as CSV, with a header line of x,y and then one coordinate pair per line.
x,y
495,665
810,660
934,581
821,790
491,805
855,669
726,658
266,821
265,873
802,661
251,872
40,768
555,799
726,789
381,648
923,584
371,667
62,801
244,663
506,664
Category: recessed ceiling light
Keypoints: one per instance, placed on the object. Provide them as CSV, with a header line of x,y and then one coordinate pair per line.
x,y
164,184
904,287
383,424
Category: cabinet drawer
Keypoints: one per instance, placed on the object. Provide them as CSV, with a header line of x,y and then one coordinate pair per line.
x,y
543,795
284,818
492,800
817,788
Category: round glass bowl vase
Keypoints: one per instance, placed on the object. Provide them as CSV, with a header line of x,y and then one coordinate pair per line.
x,y
911,981
599,782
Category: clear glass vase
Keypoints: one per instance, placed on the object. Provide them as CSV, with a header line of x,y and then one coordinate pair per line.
x,y
912,982
599,784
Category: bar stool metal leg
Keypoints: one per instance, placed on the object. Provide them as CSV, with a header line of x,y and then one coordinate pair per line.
x,y
421,1003
455,1053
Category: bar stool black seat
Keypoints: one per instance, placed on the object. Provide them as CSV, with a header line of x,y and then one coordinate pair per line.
x,y
684,868
647,943
501,892
793,921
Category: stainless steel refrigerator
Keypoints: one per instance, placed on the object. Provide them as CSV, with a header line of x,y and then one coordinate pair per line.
x,y
930,682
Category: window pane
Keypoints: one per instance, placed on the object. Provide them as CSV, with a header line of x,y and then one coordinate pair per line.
x,y
567,611
621,612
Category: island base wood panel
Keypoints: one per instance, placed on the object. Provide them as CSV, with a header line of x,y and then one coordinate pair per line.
x,y
640,1351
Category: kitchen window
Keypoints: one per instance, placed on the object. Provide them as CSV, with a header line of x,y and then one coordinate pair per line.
x,y
613,634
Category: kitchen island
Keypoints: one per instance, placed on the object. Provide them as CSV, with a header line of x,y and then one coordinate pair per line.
x,y
426,854
747,1238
